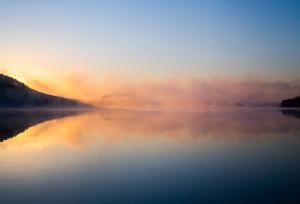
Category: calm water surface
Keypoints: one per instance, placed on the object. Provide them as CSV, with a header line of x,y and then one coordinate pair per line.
x,y
111,156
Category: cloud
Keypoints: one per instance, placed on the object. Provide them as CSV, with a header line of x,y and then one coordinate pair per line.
x,y
199,93
175,92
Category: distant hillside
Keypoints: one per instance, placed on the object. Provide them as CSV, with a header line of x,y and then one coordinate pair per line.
x,y
291,103
14,94
124,100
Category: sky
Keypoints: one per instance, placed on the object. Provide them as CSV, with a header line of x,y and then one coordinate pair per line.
x,y
107,42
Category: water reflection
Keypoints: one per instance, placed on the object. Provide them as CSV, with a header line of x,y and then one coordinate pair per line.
x,y
15,122
213,123
213,156
290,112
118,124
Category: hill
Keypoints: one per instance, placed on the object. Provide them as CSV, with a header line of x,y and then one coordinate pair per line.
x,y
14,94
291,103
125,100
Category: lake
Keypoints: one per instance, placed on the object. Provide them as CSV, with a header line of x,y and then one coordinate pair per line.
x,y
118,156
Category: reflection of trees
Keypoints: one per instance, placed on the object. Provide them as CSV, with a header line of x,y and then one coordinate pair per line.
x,y
15,122
290,112
115,125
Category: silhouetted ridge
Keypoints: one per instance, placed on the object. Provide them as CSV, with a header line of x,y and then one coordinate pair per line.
x,y
125,100
14,94
292,102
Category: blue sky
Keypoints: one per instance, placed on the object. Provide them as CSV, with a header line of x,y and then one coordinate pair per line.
x,y
137,39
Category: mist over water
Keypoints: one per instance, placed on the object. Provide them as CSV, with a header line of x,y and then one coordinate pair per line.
x,y
149,102
241,155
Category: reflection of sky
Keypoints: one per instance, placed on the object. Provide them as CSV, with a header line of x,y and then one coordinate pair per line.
x,y
155,157
139,39
145,132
